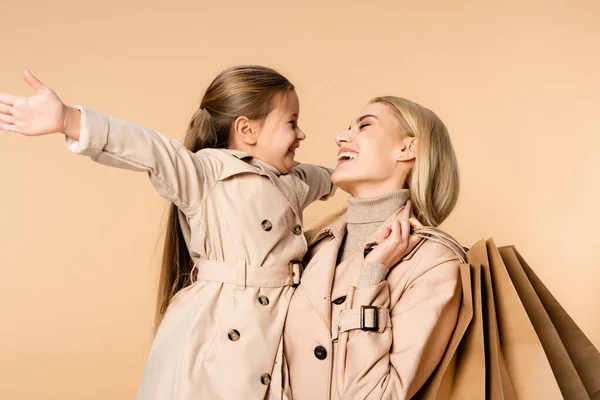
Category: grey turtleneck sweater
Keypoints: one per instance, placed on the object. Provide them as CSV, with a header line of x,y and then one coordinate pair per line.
x,y
363,217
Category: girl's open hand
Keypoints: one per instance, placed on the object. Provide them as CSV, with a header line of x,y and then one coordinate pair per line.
x,y
36,115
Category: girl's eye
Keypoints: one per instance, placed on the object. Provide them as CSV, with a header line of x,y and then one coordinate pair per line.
x,y
362,126
294,124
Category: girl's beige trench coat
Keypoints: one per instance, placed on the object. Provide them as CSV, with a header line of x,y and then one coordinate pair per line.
x,y
221,337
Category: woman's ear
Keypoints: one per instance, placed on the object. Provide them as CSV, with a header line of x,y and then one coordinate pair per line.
x,y
409,149
243,131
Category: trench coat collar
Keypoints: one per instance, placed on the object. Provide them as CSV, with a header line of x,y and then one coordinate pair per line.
x,y
234,168
251,165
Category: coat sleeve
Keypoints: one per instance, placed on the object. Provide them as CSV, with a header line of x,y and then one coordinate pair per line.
x,y
318,180
180,176
395,362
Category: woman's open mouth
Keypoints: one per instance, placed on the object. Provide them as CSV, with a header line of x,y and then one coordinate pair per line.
x,y
346,155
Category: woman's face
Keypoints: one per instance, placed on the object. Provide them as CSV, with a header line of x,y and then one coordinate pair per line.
x,y
368,158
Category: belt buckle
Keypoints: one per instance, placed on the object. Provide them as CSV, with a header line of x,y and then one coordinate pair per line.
x,y
365,327
296,269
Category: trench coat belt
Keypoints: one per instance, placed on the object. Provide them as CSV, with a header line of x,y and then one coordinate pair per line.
x,y
350,319
240,274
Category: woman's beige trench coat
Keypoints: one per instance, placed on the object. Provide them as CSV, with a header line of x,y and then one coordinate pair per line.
x,y
329,355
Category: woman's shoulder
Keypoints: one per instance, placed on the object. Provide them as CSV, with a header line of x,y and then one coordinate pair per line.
x,y
434,254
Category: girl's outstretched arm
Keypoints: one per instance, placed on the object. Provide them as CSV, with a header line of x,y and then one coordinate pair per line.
x,y
180,176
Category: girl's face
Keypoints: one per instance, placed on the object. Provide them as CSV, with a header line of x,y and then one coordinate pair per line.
x,y
278,135
370,154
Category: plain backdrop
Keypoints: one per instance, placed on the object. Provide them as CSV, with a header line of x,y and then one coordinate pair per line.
x,y
516,83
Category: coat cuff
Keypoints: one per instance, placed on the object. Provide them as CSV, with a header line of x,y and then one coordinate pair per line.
x,y
371,274
93,134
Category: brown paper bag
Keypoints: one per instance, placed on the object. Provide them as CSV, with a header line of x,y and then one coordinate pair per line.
x,y
566,375
468,382
584,356
526,361
439,386
519,343
498,381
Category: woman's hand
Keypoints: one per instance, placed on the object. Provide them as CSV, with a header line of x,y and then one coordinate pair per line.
x,y
397,243
37,115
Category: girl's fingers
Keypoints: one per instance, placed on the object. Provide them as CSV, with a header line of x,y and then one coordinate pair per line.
x,y
9,127
7,99
32,81
7,119
4,109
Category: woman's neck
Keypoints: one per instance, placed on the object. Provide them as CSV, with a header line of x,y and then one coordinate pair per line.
x,y
365,215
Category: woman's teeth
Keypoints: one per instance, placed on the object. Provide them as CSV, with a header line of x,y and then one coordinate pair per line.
x,y
347,156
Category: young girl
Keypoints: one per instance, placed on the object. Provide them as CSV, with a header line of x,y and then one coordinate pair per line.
x,y
235,233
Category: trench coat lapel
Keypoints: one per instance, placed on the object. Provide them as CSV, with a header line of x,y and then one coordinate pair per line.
x,y
288,193
317,280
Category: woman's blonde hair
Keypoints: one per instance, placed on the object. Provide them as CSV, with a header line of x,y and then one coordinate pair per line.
x,y
245,90
434,180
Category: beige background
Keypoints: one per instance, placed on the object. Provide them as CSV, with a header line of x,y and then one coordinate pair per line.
x,y
517,84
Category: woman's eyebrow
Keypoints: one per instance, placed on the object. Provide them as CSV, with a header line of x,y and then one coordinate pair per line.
x,y
359,119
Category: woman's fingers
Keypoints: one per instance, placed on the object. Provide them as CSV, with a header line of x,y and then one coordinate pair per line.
x,y
387,229
415,223
405,230
395,233
413,241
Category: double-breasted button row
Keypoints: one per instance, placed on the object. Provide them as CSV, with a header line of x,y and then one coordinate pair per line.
x,y
297,230
233,335
320,352
265,379
263,300
267,225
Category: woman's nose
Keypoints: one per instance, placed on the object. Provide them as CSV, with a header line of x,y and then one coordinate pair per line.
x,y
343,137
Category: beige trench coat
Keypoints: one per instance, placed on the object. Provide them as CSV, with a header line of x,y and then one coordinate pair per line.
x,y
221,337
329,356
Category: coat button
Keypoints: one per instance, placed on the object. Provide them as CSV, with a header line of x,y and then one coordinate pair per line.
x,y
297,230
266,225
339,300
265,379
264,300
320,352
233,335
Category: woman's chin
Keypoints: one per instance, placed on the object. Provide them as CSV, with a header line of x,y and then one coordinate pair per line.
x,y
341,180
